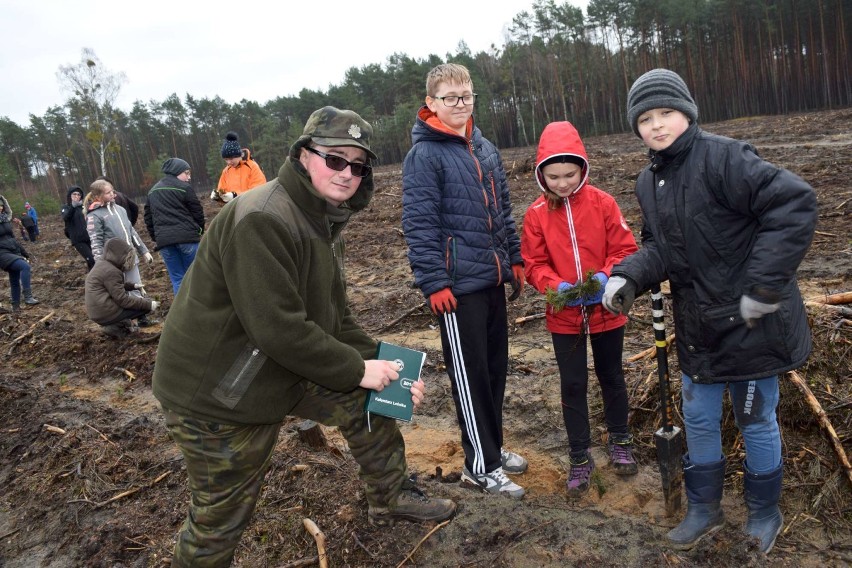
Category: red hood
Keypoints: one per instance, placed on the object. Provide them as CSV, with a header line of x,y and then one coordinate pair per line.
x,y
557,139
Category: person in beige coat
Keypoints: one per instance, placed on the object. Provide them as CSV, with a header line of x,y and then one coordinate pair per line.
x,y
108,302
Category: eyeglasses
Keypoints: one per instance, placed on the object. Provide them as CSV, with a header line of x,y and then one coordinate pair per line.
x,y
453,100
339,163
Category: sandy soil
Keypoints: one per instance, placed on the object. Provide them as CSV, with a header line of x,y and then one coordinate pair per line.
x,y
90,478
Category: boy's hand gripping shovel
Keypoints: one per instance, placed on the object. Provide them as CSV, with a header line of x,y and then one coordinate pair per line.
x,y
669,438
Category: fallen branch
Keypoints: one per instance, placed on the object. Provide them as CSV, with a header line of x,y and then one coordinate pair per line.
x,y
122,495
130,375
54,429
650,352
319,537
529,318
361,545
842,310
102,436
29,332
833,299
817,409
422,540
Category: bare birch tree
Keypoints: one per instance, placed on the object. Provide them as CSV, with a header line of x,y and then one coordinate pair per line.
x,y
96,89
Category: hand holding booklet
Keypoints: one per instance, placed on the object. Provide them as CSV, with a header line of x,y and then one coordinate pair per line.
x,y
395,401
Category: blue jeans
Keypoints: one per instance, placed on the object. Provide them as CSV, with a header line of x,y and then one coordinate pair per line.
x,y
19,276
178,258
754,404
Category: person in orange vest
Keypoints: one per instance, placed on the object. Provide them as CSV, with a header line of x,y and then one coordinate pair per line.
x,y
241,173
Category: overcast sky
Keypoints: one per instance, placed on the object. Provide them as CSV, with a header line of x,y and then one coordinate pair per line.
x,y
243,49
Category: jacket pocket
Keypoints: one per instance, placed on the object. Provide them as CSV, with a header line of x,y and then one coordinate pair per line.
x,y
236,381
733,348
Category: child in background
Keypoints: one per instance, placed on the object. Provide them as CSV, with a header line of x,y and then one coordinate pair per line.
x,y
105,220
728,230
107,300
240,174
571,230
464,248
14,259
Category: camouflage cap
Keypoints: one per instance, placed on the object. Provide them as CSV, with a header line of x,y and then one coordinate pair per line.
x,y
330,126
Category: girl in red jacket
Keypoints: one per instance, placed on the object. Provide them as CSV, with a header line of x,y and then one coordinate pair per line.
x,y
572,230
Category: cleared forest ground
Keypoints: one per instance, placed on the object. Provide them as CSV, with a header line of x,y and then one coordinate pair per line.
x,y
90,478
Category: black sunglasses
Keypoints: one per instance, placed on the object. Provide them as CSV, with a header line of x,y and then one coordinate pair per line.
x,y
338,163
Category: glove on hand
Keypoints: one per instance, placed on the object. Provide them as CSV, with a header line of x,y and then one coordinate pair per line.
x,y
148,258
138,286
752,310
443,301
214,195
619,294
518,281
565,287
228,196
596,299
154,305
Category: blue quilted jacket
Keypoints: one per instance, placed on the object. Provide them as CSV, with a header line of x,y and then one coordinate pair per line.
x,y
456,212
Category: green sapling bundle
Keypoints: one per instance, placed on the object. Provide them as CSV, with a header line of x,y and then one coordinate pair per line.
x,y
586,289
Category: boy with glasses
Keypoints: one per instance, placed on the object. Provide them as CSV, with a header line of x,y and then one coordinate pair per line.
x,y
463,248
267,286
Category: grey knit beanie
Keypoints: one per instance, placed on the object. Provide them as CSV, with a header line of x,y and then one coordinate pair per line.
x,y
175,166
659,88
231,147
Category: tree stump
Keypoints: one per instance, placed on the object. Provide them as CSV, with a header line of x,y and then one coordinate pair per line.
x,y
311,433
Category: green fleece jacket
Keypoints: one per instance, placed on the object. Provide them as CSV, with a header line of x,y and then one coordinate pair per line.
x,y
263,308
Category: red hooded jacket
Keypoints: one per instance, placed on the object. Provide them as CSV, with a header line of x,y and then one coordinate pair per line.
x,y
585,233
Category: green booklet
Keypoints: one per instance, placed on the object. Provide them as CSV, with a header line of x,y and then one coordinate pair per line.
x,y
394,400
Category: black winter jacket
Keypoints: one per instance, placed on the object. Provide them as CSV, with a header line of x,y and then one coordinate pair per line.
x,y
720,222
173,214
10,249
75,219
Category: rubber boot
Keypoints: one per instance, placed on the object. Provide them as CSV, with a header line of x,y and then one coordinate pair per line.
x,y
28,297
704,497
762,492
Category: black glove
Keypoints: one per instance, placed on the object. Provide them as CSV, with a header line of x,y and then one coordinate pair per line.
x,y
619,294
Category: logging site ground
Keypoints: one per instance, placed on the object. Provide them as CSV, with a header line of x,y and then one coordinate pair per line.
x,y
89,476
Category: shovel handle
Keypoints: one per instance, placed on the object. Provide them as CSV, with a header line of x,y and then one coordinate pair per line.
x,y
666,404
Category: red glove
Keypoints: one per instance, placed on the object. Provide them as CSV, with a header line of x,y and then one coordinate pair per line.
x,y
518,281
443,301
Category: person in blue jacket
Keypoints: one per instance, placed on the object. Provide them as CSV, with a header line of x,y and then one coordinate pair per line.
x,y
728,230
32,230
463,248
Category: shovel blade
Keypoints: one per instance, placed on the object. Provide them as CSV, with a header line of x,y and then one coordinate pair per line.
x,y
669,458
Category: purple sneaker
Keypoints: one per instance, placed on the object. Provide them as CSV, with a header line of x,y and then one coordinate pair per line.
x,y
621,456
581,473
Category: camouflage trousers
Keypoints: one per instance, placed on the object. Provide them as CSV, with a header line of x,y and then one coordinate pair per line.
x,y
226,464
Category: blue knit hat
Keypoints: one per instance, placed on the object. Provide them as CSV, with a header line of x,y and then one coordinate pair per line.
x,y
231,148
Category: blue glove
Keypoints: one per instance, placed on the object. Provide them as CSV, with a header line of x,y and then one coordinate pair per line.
x,y
596,299
564,287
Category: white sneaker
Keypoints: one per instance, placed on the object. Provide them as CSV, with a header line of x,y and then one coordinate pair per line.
x,y
512,462
494,482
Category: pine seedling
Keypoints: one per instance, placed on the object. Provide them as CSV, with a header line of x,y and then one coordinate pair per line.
x,y
586,289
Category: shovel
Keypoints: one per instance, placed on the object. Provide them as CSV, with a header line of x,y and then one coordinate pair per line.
x,y
669,438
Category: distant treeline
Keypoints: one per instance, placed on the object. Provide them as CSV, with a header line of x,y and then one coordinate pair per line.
x,y
739,57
